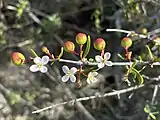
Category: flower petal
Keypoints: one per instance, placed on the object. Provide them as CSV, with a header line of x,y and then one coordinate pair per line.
x,y
89,74
34,68
107,55
45,60
73,78
43,69
94,73
109,63
99,58
73,70
65,78
88,81
101,65
65,69
94,80
37,60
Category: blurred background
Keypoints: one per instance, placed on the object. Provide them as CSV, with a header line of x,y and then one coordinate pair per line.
x,y
26,24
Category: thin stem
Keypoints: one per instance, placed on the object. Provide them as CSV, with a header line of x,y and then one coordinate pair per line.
x,y
102,53
114,63
74,52
81,51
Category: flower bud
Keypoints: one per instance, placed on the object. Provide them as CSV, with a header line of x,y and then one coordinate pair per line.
x,y
17,58
45,50
126,42
99,44
81,38
144,31
69,46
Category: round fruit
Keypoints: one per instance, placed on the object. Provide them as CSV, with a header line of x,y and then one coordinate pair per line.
x,y
99,44
69,46
17,58
81,38
126,42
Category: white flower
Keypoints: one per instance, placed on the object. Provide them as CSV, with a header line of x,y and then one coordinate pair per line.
x,y
92,77
69,74
102,61
39,64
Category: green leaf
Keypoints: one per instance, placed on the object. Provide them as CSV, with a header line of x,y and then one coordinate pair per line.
x,y
34,53
147,109
139,76
157,60
140,58
14,98
152,116
61,53
88,46
155,113
120,56
149,52
134,64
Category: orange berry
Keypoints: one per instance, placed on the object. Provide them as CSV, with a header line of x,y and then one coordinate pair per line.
x,y
81,38
126,42
99,44
69,46
17,58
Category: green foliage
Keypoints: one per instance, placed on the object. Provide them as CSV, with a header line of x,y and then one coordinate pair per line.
x,y
33,53
61,53
151,114
137,75
87,47
14,98
150,53
96,16
134,10
30,96
22,5
52,22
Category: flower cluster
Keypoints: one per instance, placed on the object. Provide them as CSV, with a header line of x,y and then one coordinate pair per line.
x,y
74,73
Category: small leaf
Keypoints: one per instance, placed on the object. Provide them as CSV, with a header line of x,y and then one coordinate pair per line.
x,y
87,47
152,116
155,113
157,60
61,53
147,109
120,56
34,53
149,52
139,76
134,64
140,58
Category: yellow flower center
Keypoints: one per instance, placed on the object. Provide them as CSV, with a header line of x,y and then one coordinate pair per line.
x,y
91,78
69,73
39,65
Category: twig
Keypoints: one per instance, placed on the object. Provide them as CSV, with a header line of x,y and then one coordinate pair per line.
x,y
21,44
155,88
154,94
79,105
117,92
128,32
140,35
